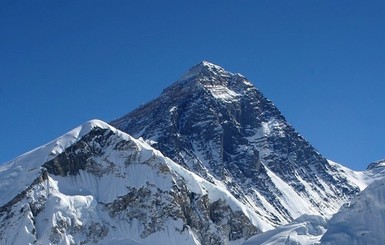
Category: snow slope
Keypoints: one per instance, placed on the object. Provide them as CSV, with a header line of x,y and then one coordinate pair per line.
x,y
18,173
305,230
361,221
96,184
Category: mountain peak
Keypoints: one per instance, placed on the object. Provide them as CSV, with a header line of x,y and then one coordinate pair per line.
x,y
210,77
205,71
217,124
208,65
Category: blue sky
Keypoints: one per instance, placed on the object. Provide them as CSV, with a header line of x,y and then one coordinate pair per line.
x,y
321,62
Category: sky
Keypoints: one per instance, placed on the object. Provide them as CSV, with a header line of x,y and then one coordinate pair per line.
x,y
322,63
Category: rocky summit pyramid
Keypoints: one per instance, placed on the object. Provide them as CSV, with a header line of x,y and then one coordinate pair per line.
x,y
218,125
210,161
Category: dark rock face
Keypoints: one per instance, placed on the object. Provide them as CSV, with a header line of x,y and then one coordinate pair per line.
x,y
79,155
220,126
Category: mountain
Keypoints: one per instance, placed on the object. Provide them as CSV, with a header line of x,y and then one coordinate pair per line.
x,y
210,161
217,124
97,185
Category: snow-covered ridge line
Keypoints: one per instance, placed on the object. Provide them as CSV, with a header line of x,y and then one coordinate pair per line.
x,y
376,164
362,179
211,66
61,142
21,171
358,178
73,198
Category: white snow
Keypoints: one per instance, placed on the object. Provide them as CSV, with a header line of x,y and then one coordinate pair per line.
x,y
294,203
361,221
381,164
359,178
108,187
74,199
19,173
216,192
196,70
223,93
305,230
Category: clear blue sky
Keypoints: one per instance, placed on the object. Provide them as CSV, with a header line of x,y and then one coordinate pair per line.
x,y
322,62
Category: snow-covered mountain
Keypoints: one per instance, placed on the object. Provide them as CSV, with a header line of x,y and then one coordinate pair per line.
x,y
218,125
97,185
210,161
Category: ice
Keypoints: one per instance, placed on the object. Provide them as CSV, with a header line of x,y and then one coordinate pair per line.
x,y
361,221
305,230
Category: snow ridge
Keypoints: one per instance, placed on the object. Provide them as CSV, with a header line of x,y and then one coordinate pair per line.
x,y
86,191
21,171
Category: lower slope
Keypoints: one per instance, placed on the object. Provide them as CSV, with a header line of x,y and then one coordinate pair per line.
x,y
361,221
306,230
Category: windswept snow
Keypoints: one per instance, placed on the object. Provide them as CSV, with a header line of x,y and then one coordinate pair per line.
x,y
306,230
216,192
296,205
359,178
205,65
361,221
73,202
19,173
223,93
